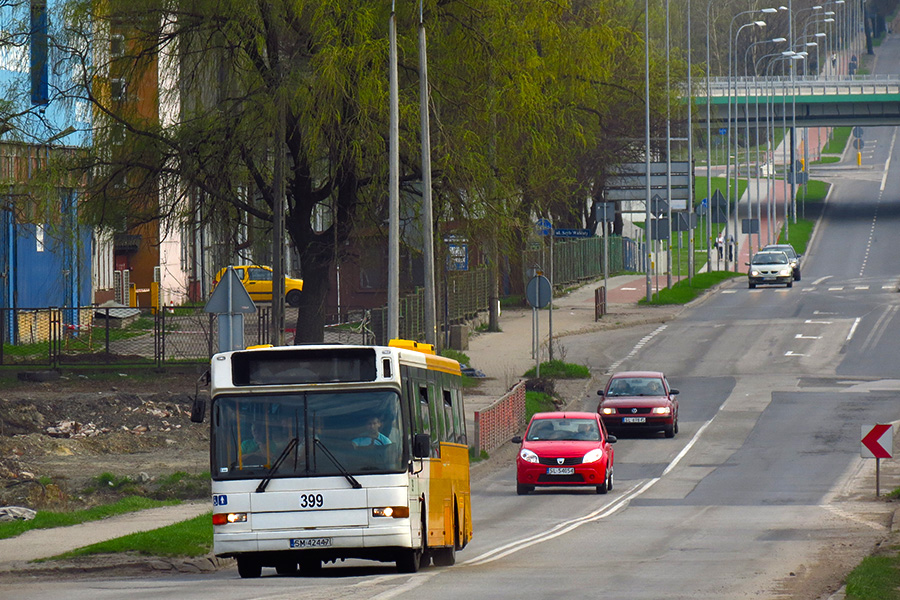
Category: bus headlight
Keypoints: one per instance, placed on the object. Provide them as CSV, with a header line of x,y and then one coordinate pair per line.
x,y
396,512
226,518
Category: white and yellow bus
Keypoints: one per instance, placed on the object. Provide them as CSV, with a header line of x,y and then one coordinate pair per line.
x,y
321,453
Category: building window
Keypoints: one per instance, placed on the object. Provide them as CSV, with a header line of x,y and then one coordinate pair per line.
x,y
117,45
39,53
117,88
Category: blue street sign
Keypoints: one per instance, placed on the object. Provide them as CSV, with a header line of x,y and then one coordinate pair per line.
x,y
571,233
723,131
703,203
544,226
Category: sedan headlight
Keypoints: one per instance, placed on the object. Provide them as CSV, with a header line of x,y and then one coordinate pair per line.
x,y
661,410
529,456
593,456
754,273
785,272
607,411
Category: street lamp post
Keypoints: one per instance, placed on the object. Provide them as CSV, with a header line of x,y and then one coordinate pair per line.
x,y
729,248
777,40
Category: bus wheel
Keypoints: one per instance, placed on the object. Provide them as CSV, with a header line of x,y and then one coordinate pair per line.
x,y
446,557
310,566
409,561
286,568
248,568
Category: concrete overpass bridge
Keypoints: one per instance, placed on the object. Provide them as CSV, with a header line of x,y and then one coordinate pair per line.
x,y
834,101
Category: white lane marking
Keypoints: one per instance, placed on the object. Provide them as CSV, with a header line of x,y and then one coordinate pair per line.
x,y
637,347
729,291
853,328
800,336
887,163
792,353
822,312
597,515
835,289
821,279
861,287
628,289
814,322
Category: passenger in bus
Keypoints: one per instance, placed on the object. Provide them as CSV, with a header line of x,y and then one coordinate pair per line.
x,y
255,447
372,436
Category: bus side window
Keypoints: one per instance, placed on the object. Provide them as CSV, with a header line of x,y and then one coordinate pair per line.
x,y
459,419
422,409
448,415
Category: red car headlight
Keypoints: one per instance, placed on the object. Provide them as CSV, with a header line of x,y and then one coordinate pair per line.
x,y
607,411
528,456
662,410
593,456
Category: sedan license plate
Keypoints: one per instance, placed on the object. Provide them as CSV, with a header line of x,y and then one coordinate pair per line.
x,y
311,542
560,470
634,419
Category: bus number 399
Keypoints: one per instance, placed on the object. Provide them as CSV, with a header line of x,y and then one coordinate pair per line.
x,y
312,501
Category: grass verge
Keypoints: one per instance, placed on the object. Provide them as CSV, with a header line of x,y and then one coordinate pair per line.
x,y
49,519
684,291
536,402
876,578
188,538
557,369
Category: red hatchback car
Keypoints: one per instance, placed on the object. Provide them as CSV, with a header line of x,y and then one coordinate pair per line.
x,y
639,401
564,449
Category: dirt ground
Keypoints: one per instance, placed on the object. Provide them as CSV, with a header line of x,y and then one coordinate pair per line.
x,y
58,437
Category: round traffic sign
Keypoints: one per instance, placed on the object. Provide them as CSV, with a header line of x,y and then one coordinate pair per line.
x,y
544,226
537,292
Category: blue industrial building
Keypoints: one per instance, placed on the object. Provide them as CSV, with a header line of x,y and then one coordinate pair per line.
x,y
45,254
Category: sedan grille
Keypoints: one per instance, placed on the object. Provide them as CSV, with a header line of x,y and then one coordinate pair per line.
x,y
567,462
640,410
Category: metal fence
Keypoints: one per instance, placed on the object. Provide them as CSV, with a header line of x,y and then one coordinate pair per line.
x,y
582,258
146,336
462,296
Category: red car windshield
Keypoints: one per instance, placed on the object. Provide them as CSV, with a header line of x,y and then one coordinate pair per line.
x,y
564,429
636,386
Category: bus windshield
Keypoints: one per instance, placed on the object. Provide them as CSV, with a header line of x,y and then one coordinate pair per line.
x,y
356,432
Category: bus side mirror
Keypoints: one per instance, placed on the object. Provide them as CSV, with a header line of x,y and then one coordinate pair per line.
x,y
198,410
421,445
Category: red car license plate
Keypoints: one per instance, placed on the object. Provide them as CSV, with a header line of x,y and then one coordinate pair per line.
x,y
560,470
634,419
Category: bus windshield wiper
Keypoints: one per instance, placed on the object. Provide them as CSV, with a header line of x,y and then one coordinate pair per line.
x,y
284,453
353,482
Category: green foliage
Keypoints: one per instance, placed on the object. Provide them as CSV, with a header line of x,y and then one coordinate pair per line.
x,y
188,538
814,191
876,578
181,485
456,355
684,291
557,369
475,456
536,402
49,519
827,160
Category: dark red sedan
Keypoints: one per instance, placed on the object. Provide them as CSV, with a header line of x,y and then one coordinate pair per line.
x,y
639,401
565,449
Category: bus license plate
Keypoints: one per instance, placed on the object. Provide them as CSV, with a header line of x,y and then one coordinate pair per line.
x,y
560,470
634,419
311,542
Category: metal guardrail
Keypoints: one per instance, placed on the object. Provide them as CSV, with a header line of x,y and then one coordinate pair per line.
x,y
803,86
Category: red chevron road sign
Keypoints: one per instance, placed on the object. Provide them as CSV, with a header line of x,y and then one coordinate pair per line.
x,y
877,441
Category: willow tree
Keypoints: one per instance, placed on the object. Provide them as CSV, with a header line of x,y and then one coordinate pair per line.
x,y
512,84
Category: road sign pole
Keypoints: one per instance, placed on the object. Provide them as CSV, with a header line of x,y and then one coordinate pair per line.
x,y
877,477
